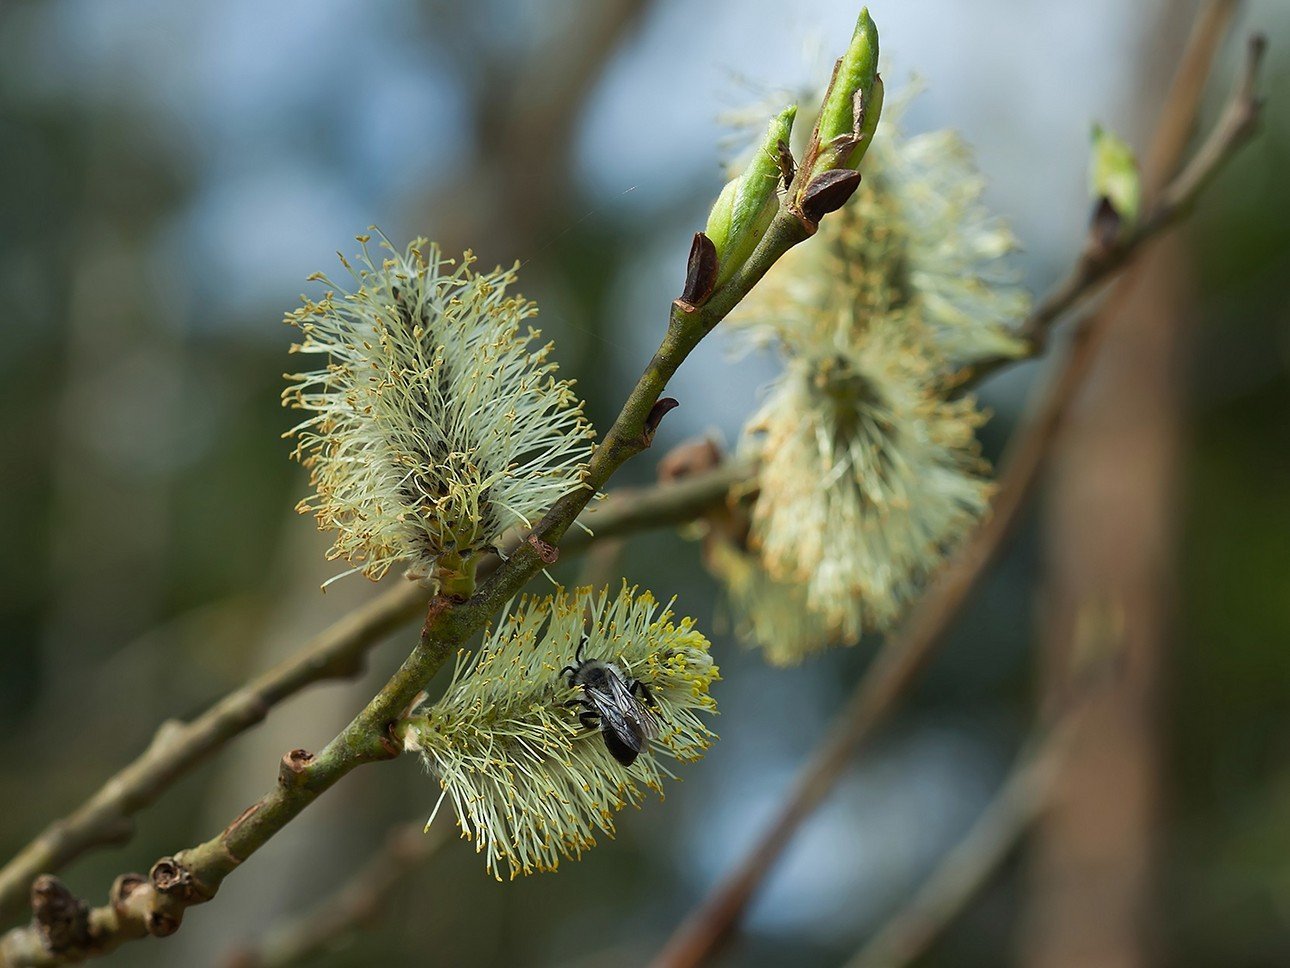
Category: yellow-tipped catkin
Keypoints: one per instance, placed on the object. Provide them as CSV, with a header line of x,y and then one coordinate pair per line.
x,y
528,782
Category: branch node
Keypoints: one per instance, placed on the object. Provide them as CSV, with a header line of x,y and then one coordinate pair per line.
x,y
171,878
700,273
1104,229
390,742
828,192
548,552
161,925
661,409
698,455
59,916
124,886
294,768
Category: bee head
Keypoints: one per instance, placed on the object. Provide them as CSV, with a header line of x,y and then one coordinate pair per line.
x,y
590,672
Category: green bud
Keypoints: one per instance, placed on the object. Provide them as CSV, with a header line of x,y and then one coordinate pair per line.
x,y
754,201
718,228
856,71
1113,175
744,241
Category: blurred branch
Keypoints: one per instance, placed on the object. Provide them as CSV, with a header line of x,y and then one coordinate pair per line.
x,y
337,653
1023,798
1098,262
1091,891
971,864
353,907
105,818
908,650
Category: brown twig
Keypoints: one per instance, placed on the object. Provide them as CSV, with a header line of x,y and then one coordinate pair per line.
x,y
359,902
907,651
969,866
338,652
106,817
1098,262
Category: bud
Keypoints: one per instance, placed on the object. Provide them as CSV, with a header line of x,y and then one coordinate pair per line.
x,y
718,227
855,74
744,209
848,117
1113,176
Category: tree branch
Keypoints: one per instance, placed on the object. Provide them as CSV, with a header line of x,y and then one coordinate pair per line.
x,y
1099,262
155,905
354,906
105,818
908,650
336,653
969,866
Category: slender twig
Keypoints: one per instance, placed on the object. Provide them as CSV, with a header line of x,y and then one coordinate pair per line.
x,y
338,652
969,866
1099,262
177,747
297,941
907,651
154,905
1026,793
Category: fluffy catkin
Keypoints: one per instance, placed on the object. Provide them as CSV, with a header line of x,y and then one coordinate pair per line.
x,y
529,784
437,421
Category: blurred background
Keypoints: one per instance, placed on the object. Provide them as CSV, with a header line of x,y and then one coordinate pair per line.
x,y
171,171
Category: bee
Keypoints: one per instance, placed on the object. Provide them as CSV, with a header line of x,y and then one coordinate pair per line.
x,y
617,705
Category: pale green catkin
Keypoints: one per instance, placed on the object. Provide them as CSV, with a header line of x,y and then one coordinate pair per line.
x,y
870,471
437,422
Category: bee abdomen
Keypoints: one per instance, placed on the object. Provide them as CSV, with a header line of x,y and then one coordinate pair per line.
x,y
619,750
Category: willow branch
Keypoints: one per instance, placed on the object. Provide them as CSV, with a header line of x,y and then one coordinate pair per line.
x,y
968,867
154,905
106,817
355,906
907,651
1099,262
337,653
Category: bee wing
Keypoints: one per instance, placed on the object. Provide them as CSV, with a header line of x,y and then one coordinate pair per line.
x,y
615,719
632,706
